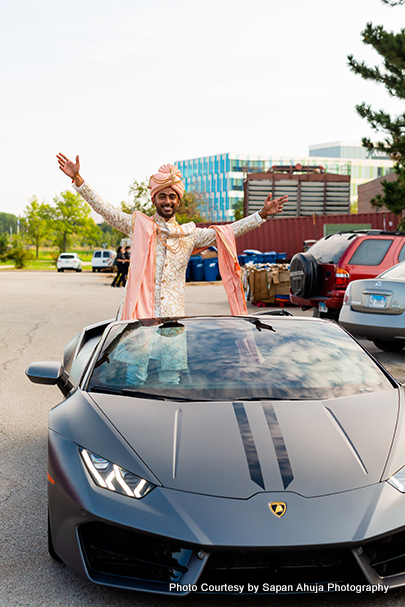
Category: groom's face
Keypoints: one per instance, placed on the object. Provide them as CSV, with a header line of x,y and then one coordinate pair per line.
x,y
166,202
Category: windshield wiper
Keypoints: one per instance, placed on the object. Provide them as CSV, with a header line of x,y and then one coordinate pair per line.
x,y
140,394
105,390
248,398
126,392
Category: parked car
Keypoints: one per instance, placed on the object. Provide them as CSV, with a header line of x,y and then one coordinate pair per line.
x,y
319,276
195,453
69,261
103,260
375,309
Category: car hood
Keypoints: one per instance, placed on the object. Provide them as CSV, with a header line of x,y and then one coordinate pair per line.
x,y
227,449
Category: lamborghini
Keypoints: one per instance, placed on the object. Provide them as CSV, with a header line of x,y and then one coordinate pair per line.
x,y
218,454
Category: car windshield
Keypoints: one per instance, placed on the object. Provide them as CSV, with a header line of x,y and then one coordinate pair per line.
x,y
234,359
397,272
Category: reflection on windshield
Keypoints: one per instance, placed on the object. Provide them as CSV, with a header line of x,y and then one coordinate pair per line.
x,y
235,359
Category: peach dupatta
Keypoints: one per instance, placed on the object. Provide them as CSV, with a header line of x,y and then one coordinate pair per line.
x,y
139,299
229,269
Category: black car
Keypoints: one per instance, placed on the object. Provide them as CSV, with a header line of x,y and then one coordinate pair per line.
x,y
206,454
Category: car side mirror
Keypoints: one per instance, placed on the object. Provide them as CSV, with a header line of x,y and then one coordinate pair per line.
x,y
51,374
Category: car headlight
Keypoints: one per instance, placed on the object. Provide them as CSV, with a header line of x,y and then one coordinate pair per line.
x,y
397,480
110,476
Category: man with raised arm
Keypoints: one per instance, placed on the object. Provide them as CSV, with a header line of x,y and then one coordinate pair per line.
x,y
161,248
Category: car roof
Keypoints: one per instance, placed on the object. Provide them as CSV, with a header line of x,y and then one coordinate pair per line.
x,y
366,232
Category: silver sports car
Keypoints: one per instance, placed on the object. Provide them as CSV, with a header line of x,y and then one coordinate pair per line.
x,y
226,454
375,309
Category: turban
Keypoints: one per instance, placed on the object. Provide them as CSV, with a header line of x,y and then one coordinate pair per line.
x,y
168,176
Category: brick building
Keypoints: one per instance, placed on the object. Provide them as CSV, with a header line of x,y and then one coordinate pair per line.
x,y
369,190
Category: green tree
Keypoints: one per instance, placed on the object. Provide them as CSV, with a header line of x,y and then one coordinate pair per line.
x,y
109,236
19,253
191,208
72,222
4,244
38,222
141,201
391,48
238,209
7,221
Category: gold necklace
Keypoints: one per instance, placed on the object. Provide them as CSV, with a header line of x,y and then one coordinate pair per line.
x,y
176,248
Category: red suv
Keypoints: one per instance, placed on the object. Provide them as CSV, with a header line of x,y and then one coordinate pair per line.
x,y
319,277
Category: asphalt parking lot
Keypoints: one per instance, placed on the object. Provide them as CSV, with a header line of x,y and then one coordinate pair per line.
x,y
40,312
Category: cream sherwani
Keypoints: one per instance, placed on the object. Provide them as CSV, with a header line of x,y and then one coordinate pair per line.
x,y
171,260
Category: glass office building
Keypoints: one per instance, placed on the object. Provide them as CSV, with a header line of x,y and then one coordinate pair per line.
x,y
219,179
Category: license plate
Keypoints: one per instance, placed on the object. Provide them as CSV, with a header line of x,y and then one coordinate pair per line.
x,y
377,301
322,307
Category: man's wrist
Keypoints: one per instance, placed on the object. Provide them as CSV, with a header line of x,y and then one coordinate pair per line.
x,y
77,180
263,214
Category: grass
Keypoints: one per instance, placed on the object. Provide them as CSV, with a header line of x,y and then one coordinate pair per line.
x,y
45,259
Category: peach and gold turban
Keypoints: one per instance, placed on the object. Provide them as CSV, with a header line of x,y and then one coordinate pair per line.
x,y
167,176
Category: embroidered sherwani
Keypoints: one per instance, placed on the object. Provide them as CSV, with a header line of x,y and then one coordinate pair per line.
x,y
171,260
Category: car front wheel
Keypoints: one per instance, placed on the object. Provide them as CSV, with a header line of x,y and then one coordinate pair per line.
x,y
395,345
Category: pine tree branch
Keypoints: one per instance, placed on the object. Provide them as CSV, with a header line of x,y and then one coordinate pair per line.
x,y
393,2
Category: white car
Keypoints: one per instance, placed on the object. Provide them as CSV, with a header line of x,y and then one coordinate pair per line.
x,y
374,308
69,261
102,260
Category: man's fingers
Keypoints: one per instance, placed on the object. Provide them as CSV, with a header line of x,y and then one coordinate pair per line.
x,y
281,199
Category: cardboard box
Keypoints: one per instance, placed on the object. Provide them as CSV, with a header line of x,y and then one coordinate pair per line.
x,y
283,289
264,288
263,282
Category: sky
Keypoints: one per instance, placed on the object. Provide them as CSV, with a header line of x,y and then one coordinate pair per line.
x,y
130,85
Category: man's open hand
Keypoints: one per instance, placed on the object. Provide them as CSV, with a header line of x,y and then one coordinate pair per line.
x,y
272,206
70,168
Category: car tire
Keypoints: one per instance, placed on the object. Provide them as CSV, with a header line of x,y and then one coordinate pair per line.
x,y
395,345
304,275
51,549
78,270
93,269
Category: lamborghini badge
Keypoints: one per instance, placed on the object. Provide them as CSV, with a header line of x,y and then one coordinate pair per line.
x,y
278,508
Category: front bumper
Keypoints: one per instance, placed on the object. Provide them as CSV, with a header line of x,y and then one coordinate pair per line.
x,y
173,542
